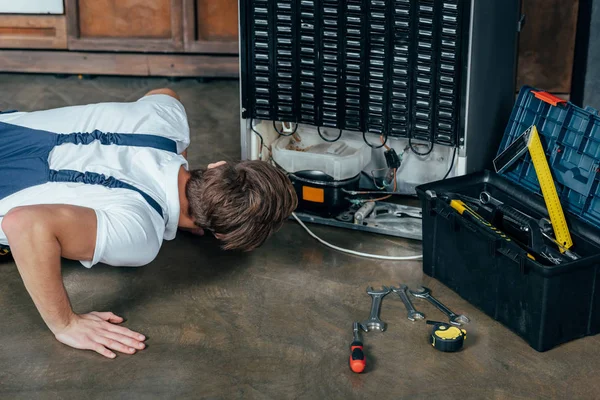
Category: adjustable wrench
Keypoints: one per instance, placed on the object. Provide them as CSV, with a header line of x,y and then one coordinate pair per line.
x,y
455,319
374,323
413,314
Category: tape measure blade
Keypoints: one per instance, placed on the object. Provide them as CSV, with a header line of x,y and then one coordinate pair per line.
x,y
544,175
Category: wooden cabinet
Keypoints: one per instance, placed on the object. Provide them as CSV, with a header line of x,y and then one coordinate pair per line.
x,y
211,26
130,37
125,25
33,32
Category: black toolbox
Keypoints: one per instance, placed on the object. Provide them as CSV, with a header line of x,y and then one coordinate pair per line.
x,y
545,304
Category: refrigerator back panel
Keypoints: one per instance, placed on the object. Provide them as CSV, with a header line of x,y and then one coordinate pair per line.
x,y
386,67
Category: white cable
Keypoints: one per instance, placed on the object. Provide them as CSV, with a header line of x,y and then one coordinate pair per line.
x,y
356,253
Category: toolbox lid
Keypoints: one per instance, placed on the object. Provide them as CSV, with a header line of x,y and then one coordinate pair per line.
x,y
570,136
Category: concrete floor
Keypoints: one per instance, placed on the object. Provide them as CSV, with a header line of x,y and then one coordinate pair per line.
x,y
229,326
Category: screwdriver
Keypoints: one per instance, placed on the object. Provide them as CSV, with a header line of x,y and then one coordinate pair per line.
x,y
464,210
357,357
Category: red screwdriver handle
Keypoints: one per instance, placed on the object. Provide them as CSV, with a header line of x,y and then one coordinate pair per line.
x,y
357,360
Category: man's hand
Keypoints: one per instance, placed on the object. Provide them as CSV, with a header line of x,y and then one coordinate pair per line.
x,y
38,236
96,331
217,164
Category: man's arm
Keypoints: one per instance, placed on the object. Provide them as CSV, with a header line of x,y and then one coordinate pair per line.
x,y
38,236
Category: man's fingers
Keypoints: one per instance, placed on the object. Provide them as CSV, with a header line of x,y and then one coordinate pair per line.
x,y
217,164
113,344
124,331
108,316
98,348
126,340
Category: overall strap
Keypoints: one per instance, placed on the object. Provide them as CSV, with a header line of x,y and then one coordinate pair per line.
x,y
24,156
92,178
119,139
109,138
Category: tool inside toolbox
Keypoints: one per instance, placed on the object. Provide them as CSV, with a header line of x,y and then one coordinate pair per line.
x,y
539,243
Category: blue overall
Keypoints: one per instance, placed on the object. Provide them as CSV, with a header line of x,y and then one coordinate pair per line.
x,y
24,156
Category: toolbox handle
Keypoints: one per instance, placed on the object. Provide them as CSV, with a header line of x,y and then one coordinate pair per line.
x,y
548,98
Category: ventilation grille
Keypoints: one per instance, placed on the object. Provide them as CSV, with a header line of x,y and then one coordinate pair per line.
x,y
388,67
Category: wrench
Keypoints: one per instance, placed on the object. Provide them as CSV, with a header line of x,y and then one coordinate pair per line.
x,y
413,314
374,323
455,319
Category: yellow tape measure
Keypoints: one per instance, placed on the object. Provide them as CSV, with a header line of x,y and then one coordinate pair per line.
x,y
555,210
530,140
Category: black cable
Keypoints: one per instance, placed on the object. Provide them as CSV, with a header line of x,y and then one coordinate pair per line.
x,y
262,142
370,145
329,140
415,151
451,164
284,134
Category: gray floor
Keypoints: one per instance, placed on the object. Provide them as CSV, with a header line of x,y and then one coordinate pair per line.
x,y
273,324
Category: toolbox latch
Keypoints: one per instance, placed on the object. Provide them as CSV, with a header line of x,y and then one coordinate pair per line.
x,y
521,23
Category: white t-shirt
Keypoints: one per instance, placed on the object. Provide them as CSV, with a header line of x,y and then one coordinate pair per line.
x,y
130,232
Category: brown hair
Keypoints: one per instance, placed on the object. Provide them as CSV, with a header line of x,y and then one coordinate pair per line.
x,y
244,203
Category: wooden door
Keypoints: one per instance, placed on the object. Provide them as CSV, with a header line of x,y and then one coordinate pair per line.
x,y
211,26
125,25
547,44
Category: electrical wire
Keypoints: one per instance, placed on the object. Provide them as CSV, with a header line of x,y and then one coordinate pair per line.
x,y
284,134
262,142
415,151
383,142
372,176
389,195
328,140
356,253
451,164
364,134
395,170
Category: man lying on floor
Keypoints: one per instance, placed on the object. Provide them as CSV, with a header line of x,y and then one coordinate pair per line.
x,y
106,183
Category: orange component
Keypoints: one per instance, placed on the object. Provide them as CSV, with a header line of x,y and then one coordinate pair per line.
x,y
316,195
548,98
357,361
357,358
